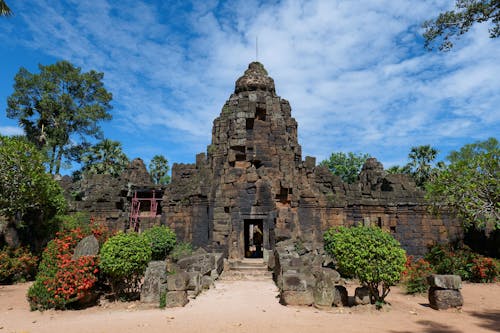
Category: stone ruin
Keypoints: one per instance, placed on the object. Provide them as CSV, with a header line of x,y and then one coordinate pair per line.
x,y
108,199
253,177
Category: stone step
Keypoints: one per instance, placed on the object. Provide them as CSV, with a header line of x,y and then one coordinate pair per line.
x,y
247,269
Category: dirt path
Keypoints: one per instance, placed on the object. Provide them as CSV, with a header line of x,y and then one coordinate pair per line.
x,y
252,306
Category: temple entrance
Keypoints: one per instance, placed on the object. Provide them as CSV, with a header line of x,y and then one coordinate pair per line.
x,y
254,238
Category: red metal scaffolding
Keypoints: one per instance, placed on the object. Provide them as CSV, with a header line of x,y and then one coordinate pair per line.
x,y
135,209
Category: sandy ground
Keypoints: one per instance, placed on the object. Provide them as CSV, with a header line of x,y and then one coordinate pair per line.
x,y
252,306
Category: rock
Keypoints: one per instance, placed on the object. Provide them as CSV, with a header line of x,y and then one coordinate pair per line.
x,y
445,281
340,296
89,246
323,294
441,299
176,299
154,282
362,296
206,282
194,282
297,297
294,282
178,281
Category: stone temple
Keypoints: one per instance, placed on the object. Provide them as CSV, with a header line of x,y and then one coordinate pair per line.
x,y
253,177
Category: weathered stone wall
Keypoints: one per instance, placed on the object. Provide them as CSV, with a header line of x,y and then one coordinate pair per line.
x,y
253,171
107,198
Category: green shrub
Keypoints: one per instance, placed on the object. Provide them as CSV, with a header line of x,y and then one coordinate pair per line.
x,y
370,254
414,277
162,240
181,250
124,259
17,265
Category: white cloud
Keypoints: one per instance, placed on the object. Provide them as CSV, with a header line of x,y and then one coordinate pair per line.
x,y
11,130
355,73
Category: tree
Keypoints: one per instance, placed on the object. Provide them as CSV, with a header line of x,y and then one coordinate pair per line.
x,y
106,157
24,185
470,184
370,254
396,169
420,166
29,197
454,23
158,168
346,166
4,9
58,106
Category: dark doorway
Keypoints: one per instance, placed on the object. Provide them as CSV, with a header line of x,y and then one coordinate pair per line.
x,y
254,238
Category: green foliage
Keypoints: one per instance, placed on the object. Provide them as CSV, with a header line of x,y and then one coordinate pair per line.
x,y
346,166
419,166
163,299
181,250
454,23
24,185
58,106
469,265
158,169
62,281
162,240
414,277
106,157
17,265
124,259
4,9
370,254
470,185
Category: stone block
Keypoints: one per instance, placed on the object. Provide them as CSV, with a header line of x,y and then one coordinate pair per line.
x,y
194,282
362,296
340,297
441,299
154,282
297,297
445,281
89,246
206,282
323,293
294,282
176,299
178,281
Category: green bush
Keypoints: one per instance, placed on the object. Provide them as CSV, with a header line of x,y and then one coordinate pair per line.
x,y
17,265
162,240
181,250
370,254
123,260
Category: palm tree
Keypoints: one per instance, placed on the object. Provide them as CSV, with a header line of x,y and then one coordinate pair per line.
x,y
4,9
106,157
421,158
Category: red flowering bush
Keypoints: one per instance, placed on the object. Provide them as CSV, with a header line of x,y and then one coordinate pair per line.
x,y
17,265
61,280
484,270
414,277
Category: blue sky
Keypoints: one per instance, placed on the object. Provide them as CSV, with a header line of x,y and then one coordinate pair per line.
x,y
355,72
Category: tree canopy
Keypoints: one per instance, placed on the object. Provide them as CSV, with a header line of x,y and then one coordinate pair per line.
x,y
470,184
59,108
105,157
158,169
24,184
4,9
419,166
346,166
454,23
